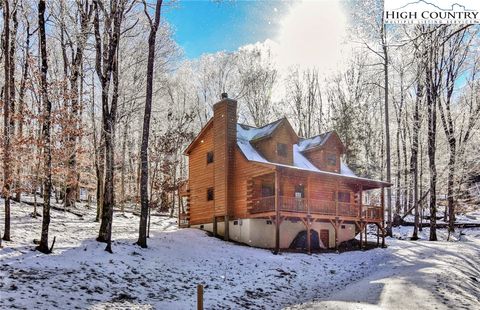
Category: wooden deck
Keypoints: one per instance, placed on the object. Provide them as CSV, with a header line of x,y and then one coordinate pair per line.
x,y
321,209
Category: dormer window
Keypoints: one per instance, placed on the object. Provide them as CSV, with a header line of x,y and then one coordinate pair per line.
x,y
282,149
331,159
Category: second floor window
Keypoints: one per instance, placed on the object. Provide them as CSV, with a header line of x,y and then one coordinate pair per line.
x,y
209,157
331,159
282,149
210,194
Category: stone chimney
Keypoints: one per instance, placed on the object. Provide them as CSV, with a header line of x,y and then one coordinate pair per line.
x,y
225,140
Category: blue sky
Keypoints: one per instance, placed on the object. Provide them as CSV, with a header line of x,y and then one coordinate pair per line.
x,y
205,26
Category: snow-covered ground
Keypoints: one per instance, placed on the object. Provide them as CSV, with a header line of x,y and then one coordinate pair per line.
x,y
81,275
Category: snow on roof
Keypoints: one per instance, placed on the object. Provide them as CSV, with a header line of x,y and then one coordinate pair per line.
x,y
246,134
253,133
310,143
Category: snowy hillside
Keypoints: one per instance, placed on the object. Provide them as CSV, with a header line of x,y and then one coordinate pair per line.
x,y
81,275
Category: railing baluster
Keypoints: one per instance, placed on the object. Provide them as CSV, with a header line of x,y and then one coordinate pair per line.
x,y
314,206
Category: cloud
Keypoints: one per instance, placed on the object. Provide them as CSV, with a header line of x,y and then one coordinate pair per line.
x,y
313,34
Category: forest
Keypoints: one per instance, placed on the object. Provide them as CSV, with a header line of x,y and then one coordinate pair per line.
x,y
98,103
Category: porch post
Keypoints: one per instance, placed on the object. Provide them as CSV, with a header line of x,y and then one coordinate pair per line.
x,y
309,242
336,233
360,201
383,216
308,195
336,198
277,215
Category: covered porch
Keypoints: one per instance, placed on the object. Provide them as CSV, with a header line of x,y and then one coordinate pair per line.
x,y
310,197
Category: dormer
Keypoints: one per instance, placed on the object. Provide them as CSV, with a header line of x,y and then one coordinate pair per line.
x,y
324,151
275,142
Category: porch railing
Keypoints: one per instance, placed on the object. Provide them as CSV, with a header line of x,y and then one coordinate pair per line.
x,y
315,206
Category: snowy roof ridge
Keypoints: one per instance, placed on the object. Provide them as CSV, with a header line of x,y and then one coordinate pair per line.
x,y
306,144
246,134
256,133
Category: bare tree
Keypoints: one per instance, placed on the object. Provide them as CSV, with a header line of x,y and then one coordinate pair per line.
x,y
106,67
6,117
458,48
73,73
142,234
47,152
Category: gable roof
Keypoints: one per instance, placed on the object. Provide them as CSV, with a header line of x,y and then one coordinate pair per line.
x,y
255,134
198,137
308,144
245,135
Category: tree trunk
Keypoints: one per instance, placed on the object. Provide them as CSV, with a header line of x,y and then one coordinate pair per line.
x,y
6,120
47,156
21,104
387,132
142,234
124,164
451,174
414,155
432,125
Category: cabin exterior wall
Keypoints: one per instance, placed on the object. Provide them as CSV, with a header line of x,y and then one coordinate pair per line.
x,y
201,178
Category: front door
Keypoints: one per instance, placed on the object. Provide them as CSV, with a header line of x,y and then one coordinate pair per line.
x,y
299,195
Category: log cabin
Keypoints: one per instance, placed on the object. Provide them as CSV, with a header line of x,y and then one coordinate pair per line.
x,y
266,187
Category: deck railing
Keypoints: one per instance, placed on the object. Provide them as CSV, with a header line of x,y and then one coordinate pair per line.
x,y
315,206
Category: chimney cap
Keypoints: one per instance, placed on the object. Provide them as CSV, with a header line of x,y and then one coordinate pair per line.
x,y
224,96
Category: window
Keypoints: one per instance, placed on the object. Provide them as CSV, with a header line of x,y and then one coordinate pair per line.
x,y
267,190
282,149
210,194
331,159
342,196
209,157
299,191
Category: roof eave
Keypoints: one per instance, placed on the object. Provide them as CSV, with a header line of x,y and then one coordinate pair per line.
x,y
197,138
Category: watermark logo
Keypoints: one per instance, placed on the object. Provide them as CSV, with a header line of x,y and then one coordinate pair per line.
x,y
432,12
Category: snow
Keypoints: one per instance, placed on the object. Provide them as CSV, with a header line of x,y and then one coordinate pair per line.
x,y
250,152
345,170
80,274
309,143
246,132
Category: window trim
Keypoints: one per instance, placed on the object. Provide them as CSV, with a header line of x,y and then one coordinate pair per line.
x,y
210,157
345,193
284,152
299,188
210,194
328,158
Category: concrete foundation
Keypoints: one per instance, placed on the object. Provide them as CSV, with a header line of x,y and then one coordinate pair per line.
x,y
261,233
